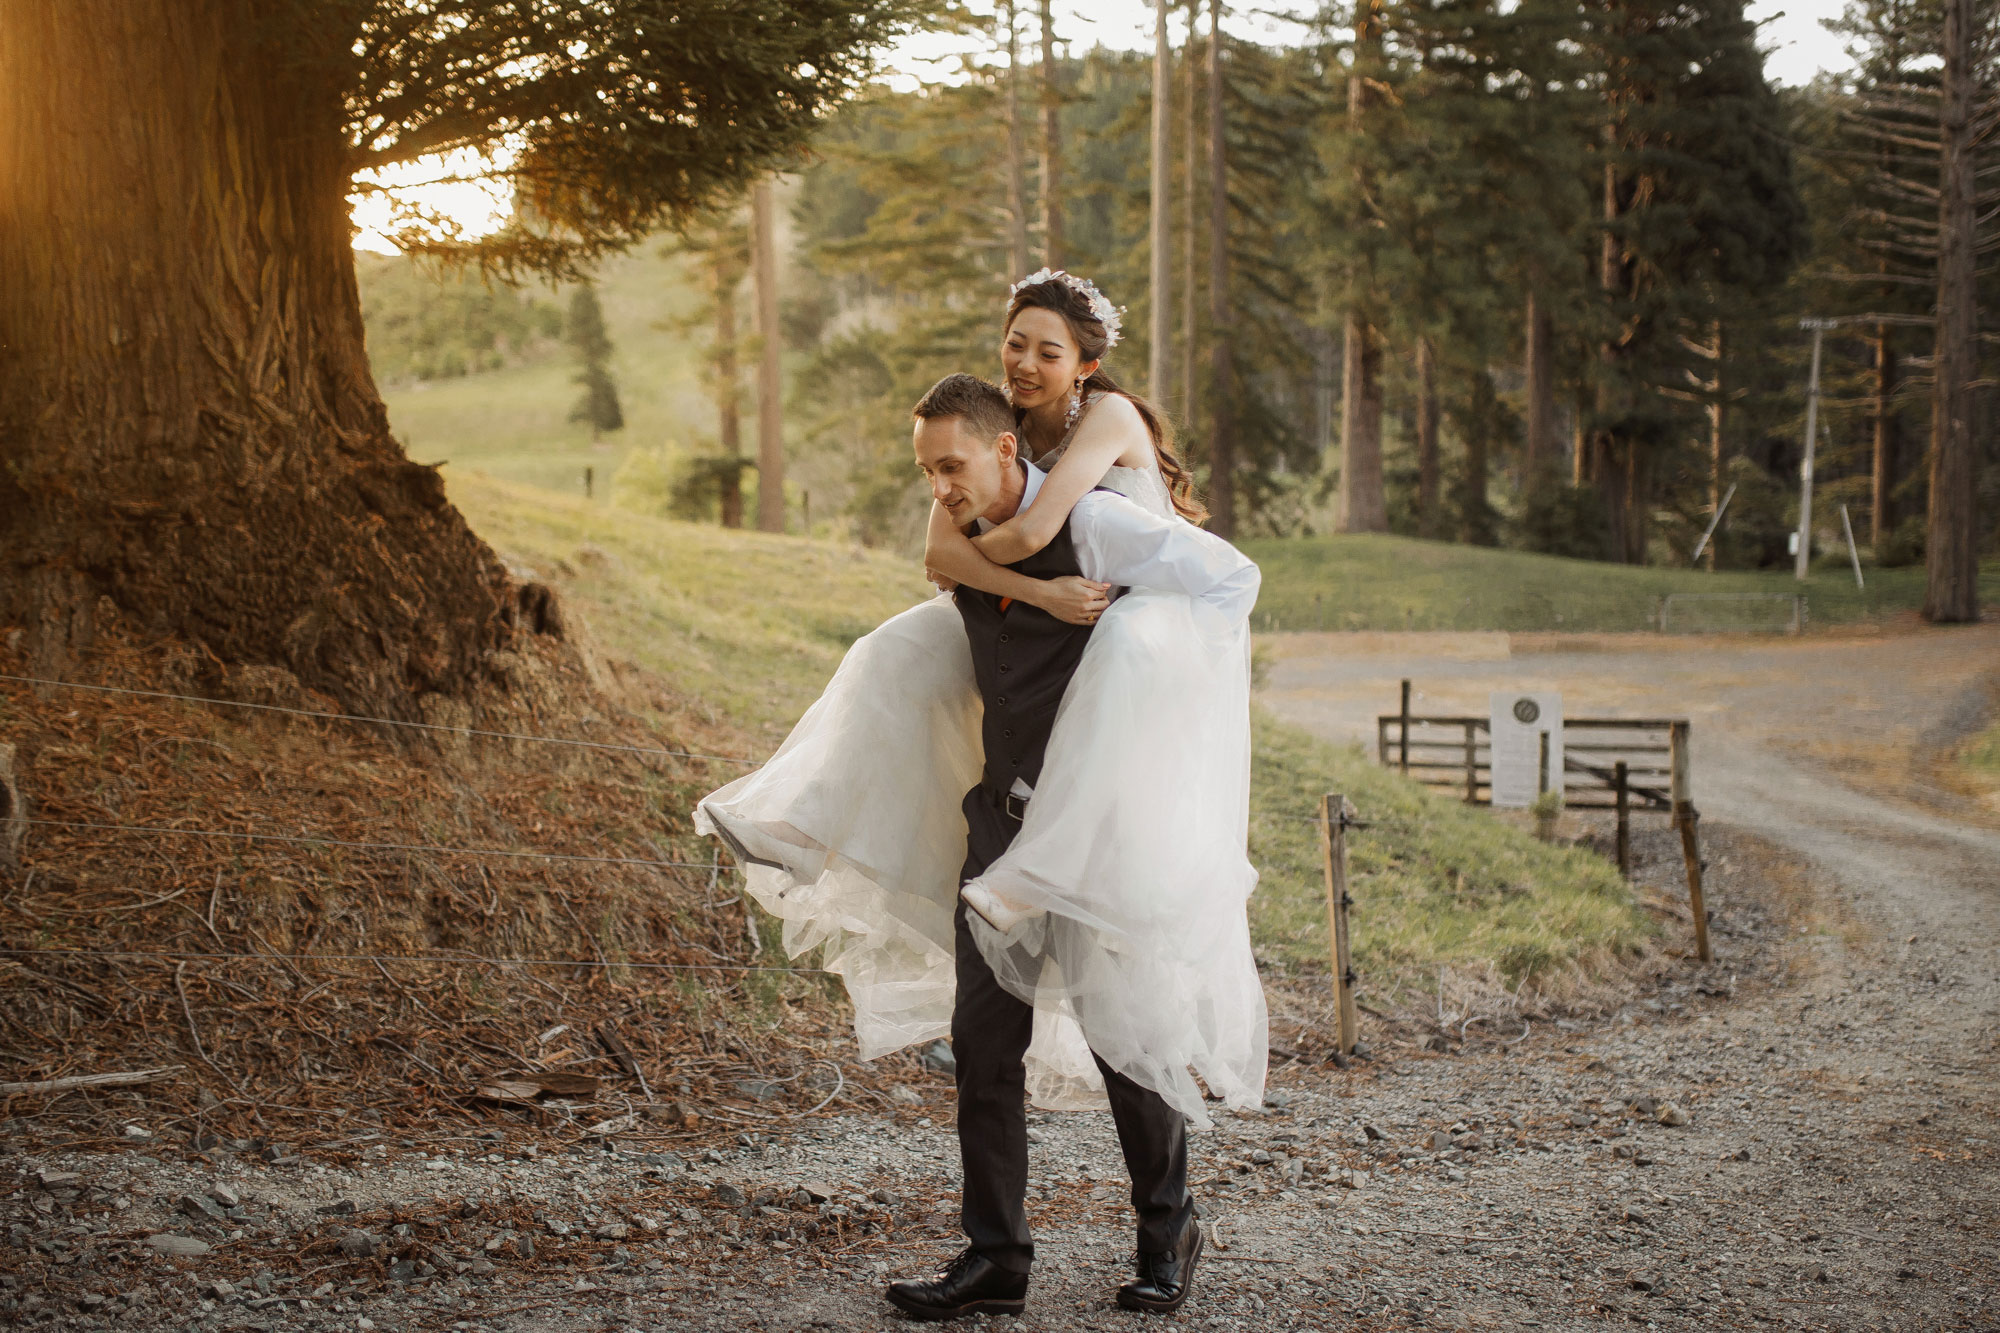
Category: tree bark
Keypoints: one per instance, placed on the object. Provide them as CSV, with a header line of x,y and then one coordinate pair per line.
x,y
1615,463
1190,187
1361,505
1017,172
728,407
1718,445
1429,519
1887,431
1474,529
1052,201
189,430
770,386
1222,389
1951,555
1158,241
1538,460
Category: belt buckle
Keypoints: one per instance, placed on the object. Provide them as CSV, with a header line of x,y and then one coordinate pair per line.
x,y
1015,806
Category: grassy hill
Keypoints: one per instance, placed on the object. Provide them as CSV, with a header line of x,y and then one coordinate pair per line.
x,y
1379,582
751,626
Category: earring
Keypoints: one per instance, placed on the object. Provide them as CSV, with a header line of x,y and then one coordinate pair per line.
x,y
1075,405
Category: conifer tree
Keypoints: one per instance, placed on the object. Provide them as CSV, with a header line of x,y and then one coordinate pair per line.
x,y
597,407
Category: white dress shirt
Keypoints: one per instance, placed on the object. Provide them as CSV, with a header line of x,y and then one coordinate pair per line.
x,y
1126,545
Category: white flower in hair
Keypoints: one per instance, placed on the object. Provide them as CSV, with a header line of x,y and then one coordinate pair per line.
x,y
1107,314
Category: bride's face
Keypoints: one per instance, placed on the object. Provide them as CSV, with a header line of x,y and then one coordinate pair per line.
x,y
1041,358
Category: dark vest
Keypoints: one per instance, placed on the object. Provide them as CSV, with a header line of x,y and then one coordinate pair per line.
x,y
1023,659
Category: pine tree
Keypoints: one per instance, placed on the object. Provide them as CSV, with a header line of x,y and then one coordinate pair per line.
x,y
584,331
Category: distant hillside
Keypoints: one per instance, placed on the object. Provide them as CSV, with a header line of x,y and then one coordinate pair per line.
x,y
1380,582
507,413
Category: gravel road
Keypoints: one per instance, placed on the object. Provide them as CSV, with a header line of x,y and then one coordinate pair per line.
x,y
1801,1136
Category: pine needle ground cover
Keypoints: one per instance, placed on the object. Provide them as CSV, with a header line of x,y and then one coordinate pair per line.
x,y
1380,582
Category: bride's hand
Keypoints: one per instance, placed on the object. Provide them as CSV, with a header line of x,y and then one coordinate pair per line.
x,y
943,582
1074,600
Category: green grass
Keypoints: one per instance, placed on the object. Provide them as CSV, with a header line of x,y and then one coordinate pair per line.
x,y
1373,582
513,423
751,626
748,626
1981,754
1436,883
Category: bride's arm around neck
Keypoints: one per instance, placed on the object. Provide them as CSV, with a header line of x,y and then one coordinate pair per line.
x,y
1111,434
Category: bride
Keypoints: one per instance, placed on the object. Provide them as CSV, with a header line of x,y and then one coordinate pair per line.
x,y
1119,910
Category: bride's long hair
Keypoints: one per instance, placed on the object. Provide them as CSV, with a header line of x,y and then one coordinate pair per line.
x,y
1092,342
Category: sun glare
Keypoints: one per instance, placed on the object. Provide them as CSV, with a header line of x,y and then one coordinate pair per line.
x,y
454,195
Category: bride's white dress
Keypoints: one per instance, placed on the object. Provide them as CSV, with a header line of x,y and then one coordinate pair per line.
x,y
1134,845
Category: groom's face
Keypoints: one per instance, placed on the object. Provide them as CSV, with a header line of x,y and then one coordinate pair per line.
x,y
969,476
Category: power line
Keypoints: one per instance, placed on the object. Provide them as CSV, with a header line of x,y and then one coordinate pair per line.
x,y
386,721
372,846
402,958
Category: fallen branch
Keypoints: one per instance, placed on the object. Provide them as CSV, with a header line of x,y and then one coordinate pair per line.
x,y
123,1079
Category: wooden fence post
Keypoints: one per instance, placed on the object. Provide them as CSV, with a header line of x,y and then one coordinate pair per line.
x,y
1406,729
1333,844
1622,790
1685,818
1382,741
1471,763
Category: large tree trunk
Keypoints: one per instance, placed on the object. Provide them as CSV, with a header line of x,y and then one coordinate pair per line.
x,y
727,273
1482,404
1887,431
770,386
1161,325
1361,505
1017,171
1537,463
1718,445
1052,201
1616,461
1222,388
188,426
1429,471
1190,176
1951,555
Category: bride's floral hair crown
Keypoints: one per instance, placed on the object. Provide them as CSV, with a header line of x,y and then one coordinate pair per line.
x,y
1101,309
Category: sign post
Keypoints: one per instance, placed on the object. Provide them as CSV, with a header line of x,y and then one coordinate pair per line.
x,y
1527,746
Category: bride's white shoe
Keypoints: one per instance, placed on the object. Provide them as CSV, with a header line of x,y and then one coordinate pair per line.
x,y
996,911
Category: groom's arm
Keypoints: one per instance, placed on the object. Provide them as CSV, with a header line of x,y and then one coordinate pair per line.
x,y
1118,542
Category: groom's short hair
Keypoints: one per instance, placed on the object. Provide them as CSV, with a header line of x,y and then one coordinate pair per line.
x,y
981,409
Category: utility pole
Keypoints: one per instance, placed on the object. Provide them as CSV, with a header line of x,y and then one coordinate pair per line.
x,y
1799,566
1162,328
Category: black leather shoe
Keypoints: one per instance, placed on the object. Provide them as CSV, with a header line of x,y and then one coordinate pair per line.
x,y
969,1284
1165,1280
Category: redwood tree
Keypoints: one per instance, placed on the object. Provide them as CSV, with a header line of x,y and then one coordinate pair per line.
x,y
188,425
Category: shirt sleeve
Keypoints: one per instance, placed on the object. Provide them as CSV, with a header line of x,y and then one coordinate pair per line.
x,y
1117,542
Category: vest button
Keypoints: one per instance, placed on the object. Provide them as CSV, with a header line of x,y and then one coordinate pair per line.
x,y
1017,761
1006,638
1007,734
1004,668
1001,702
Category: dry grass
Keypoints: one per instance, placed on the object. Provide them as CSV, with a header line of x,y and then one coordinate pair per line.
x,y
338,1035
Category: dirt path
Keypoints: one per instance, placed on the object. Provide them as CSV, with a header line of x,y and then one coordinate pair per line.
x,y
1839,1167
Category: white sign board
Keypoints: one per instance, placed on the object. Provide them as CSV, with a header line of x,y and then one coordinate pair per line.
x,y
1519,722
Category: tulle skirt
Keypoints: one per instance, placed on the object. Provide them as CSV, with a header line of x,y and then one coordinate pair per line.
x,y
1134,846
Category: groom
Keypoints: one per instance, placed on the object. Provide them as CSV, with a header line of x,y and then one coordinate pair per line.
x,y
1023,659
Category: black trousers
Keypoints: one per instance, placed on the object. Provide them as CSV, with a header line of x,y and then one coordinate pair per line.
x,y
990,1030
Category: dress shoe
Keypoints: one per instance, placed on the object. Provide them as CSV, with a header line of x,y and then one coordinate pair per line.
x,y
969,1284
1165,1280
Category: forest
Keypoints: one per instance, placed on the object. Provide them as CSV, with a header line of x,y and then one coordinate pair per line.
x,y
1536,277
